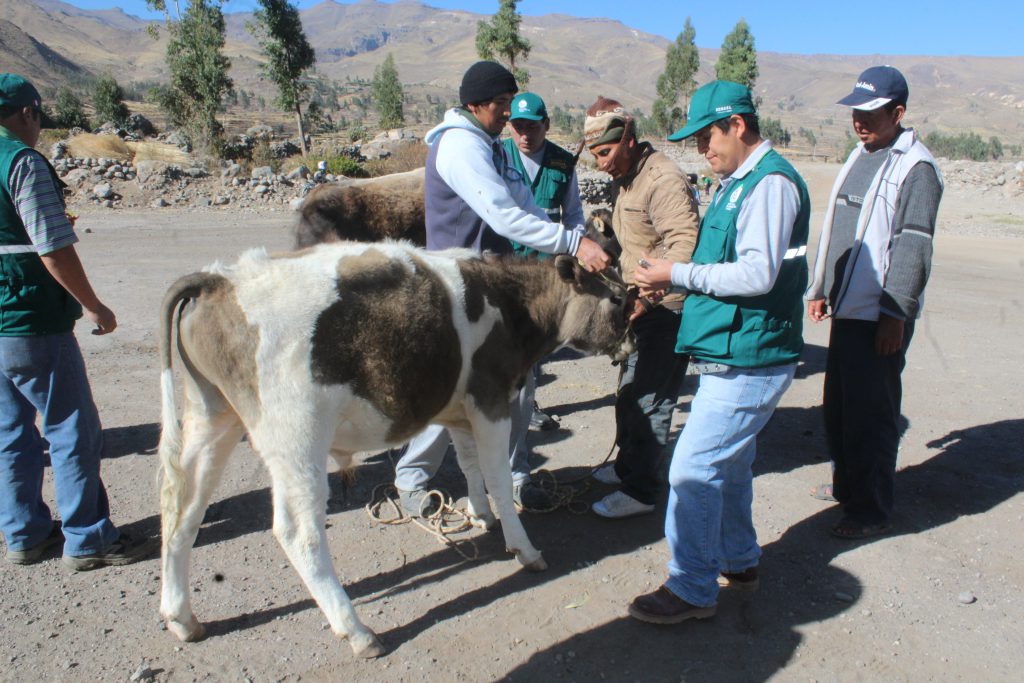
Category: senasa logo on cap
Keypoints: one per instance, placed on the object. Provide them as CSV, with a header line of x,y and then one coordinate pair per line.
x,y
523,106
723,108
864,85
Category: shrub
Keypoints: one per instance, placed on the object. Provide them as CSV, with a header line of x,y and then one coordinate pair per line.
x,y
67,110
262,155
346,166
108,100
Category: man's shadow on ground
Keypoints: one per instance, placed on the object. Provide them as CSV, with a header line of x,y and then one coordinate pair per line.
x,y
752,639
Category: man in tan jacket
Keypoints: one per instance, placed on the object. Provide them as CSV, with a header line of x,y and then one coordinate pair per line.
x,y
655,214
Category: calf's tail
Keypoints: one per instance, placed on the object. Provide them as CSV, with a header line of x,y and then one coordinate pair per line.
x,y
172,489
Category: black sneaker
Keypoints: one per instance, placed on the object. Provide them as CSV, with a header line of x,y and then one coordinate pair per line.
x,y
532,498
541,420
36,552
125,550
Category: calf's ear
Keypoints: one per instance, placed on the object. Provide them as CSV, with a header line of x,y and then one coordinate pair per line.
x,y
567,267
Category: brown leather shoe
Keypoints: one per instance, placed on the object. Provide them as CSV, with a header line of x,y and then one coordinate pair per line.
x,y
665,607
745,580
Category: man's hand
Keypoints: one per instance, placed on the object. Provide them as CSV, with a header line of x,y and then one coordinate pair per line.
x,y
102,317
653,275
889,336
592,256
640,306
817,310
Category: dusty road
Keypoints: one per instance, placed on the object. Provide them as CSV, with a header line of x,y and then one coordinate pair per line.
x,y
888,609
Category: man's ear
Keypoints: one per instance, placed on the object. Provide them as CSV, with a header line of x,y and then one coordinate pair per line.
x,y
737,121
897,114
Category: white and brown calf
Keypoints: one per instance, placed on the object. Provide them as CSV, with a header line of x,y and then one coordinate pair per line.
x,y
356,347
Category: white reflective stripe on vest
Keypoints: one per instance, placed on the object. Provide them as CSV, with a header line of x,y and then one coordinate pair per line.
x,y
795,252
17,249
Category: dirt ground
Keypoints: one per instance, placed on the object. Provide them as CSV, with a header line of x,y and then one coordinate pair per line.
x,y
938,599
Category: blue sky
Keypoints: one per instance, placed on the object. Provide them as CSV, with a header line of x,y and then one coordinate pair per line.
x,y
921,27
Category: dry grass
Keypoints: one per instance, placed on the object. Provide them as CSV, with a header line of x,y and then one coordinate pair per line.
x,y
90,146
48,137
403,158
158,151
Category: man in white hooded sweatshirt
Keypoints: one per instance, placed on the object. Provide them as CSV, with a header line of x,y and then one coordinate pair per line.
x,y
475,199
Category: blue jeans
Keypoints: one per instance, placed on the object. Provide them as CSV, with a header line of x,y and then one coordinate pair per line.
x,y
422,457
46,375
708,524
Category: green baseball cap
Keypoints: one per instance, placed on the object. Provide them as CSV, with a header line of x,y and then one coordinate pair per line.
x,y
15,91
713,102
527,105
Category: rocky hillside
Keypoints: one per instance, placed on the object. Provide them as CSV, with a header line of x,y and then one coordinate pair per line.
x,y
573,60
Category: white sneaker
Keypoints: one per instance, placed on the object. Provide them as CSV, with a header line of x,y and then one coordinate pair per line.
x,y
619,505
606,475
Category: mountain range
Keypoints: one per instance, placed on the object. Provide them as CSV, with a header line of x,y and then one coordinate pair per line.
x,y
573,60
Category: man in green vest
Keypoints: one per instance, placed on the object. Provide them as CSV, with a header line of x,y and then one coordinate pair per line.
x,y
43,291
742,327
551,174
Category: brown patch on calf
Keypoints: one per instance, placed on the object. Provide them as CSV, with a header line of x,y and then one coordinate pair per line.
x,y
527,294
217,340
391,335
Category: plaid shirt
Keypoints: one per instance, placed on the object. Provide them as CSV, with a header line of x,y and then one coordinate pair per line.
x,y
40,203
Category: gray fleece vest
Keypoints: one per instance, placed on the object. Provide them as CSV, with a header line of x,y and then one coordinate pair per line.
x,y
450,220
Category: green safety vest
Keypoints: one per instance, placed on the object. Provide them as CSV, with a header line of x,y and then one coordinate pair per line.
x,y
32,303
548,187
748,332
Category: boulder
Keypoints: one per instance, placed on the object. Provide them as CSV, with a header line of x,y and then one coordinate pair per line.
x,y
140,125
300,172
260,132
179,140
196,172
262,172
58,150
150,168
110,128
77,176
231,171
159,203
284,149
103,191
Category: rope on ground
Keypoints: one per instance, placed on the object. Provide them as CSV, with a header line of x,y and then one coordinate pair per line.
x,y
564,492
447,520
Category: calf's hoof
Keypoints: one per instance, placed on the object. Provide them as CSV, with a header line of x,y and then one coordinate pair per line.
x,y
366,645
531,563
486,521
188,632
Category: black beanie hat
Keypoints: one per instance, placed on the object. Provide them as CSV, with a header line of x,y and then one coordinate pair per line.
x,y
484,81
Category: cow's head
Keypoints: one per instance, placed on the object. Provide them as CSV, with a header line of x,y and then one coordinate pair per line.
x,y
596,318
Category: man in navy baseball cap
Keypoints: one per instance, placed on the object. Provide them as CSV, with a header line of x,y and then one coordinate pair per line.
x,y
877,87
874,260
